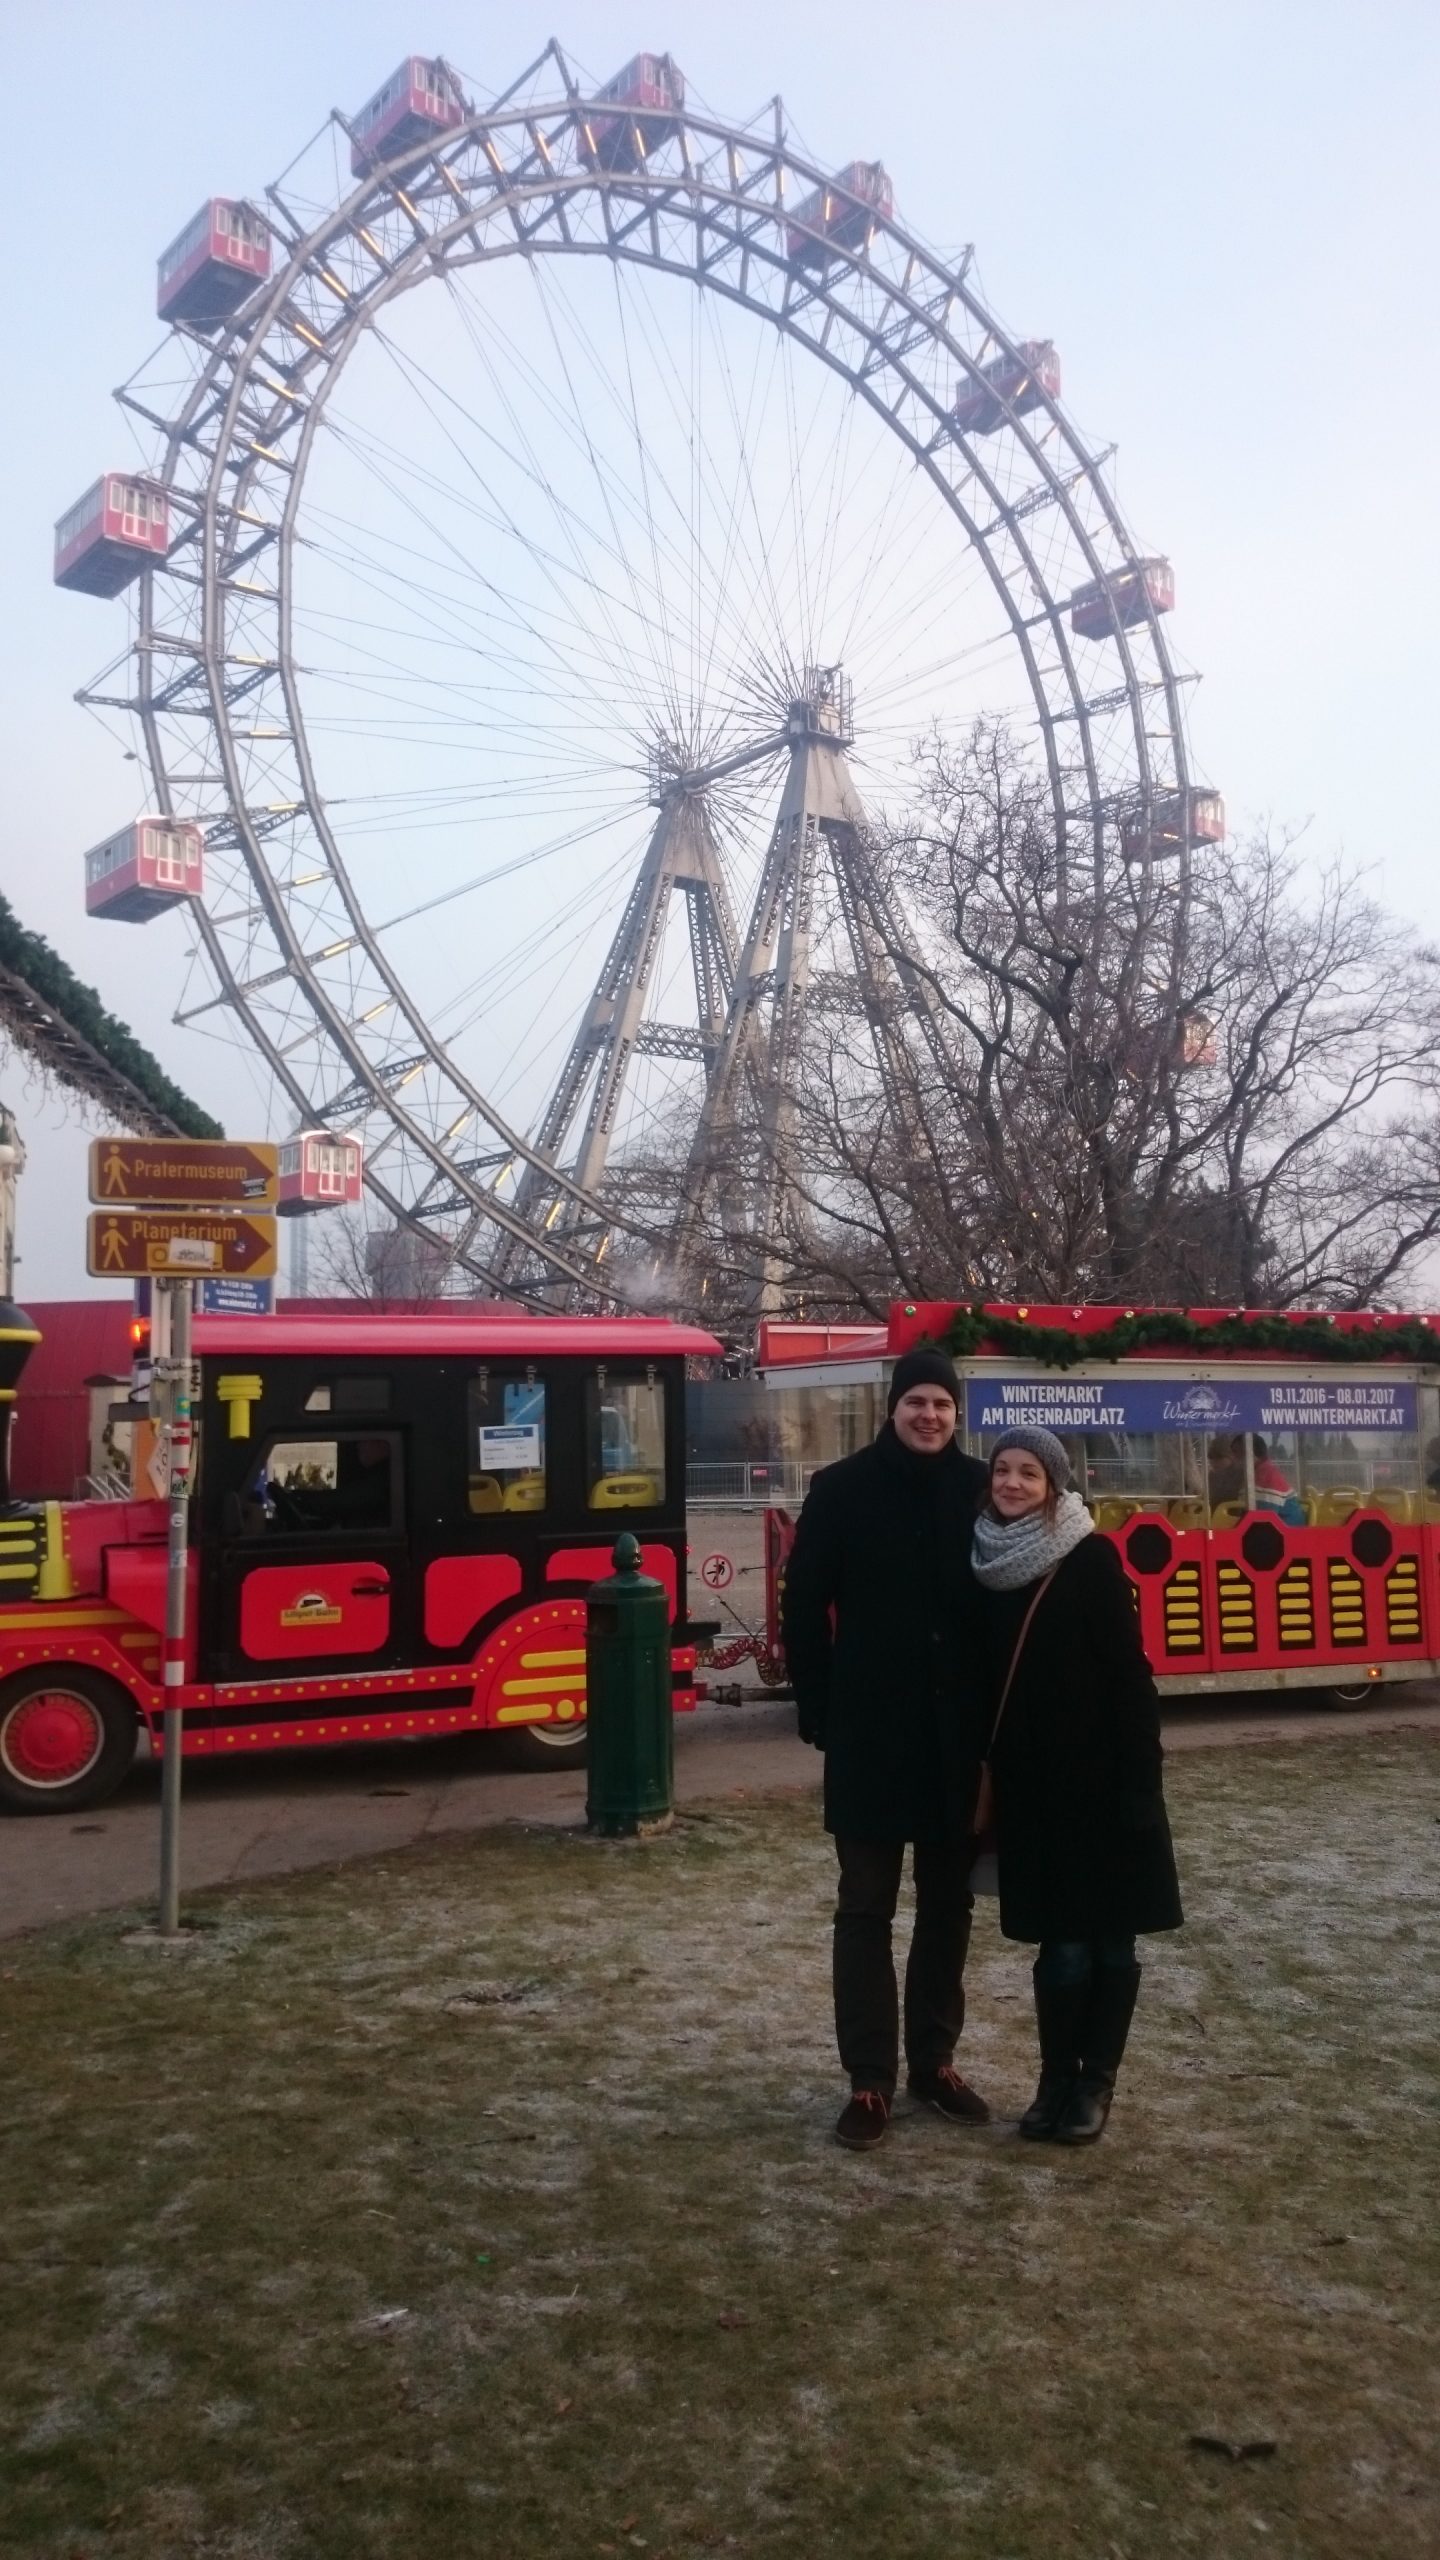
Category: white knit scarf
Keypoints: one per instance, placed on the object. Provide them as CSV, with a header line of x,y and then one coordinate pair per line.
x,y
1006,1554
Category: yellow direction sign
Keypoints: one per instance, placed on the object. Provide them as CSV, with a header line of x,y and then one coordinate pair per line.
x,y
179,1244
203,1172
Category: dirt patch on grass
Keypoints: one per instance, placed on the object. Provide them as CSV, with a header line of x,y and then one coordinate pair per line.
x,y
482,2200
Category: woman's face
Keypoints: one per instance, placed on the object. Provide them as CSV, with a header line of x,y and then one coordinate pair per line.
x,y
1018,1483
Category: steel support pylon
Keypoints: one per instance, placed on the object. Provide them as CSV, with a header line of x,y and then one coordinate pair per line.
x,y
744,1136
580,1121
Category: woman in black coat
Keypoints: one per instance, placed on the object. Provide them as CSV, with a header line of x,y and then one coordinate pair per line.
x,y
881,1642
1084,1850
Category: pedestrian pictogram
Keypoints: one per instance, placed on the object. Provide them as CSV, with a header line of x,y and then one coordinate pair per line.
x,y
151,1172
179,1244
717,1573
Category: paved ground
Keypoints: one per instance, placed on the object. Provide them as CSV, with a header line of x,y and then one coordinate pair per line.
x,y
245,1818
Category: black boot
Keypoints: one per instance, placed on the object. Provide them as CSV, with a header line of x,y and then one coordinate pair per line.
x,y
1113,1993
1061,2010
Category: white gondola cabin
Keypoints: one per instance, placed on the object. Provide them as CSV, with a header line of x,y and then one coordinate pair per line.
x,y
420,101
115,531
1172,822
1008,386
152,864
318,1170
1123,598
651,89
214,265
840,215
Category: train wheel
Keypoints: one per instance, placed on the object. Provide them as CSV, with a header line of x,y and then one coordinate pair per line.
x,y
1346,1699
545,1746
66,1740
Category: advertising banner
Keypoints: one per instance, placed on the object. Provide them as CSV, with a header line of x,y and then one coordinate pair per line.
x,y
1127,1402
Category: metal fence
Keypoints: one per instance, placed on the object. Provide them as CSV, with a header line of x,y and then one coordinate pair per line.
x,y
745,1485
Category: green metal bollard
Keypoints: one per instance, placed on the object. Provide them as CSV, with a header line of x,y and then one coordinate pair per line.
x,y
628,1702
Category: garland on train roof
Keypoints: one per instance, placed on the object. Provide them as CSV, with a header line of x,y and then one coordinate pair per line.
x,y
1311,1337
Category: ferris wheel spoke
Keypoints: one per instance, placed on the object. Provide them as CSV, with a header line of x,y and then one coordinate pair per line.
x,y
577,557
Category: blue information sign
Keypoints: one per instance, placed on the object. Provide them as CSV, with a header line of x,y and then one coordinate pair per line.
x,y
235,1297
1127,1402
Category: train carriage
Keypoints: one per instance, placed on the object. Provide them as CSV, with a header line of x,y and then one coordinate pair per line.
x,y
395,1520
1277,1512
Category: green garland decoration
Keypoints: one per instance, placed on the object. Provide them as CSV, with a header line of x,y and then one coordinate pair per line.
x,y
1310,1337
41,967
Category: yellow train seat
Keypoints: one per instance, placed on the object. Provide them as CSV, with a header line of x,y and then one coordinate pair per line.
x,y
633,1491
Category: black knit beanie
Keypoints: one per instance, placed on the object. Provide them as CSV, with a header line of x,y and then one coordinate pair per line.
x,y
926,1367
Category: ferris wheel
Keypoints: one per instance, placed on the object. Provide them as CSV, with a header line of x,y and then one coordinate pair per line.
x,y
559,517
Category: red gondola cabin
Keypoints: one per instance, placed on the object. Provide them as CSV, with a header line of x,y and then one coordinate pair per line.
x,y
419,101
652,91
1177,819
1122,599
1008,386
319,1171
214,265
118,527
150,865
839,215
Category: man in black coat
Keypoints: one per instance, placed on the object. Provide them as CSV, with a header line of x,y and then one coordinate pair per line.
x,y
879,1640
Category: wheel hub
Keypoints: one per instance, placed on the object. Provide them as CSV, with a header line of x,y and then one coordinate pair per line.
x,y
51,1739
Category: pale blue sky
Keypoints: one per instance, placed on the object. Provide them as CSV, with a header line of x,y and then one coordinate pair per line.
x,y
1223,214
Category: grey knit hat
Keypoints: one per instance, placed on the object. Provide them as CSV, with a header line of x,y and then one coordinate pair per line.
x,y
1040,1444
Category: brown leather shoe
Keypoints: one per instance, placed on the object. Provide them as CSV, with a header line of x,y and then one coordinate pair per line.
x,y
949,2095
862,2123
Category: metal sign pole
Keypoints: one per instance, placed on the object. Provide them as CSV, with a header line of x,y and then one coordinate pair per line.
x,y
178,1292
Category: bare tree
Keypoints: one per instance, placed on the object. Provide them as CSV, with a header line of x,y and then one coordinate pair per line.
x,y
1209,1081
394,1267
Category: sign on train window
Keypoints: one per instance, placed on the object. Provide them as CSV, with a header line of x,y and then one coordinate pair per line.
x,y
1120,1402
624,1441
506,1441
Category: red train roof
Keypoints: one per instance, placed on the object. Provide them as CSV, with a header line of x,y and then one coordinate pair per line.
x,y
421,1337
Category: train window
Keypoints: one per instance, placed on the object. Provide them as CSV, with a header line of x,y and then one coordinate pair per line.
x,y
624,1441
505,1441
331,1484
350,1395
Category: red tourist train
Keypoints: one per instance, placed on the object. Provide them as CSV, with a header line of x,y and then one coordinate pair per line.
x,y
1277,1511
395,1520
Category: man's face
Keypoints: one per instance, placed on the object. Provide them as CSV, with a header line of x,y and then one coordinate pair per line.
x,y
925,1419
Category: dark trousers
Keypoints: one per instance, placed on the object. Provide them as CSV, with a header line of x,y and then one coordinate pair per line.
x,y
867,2008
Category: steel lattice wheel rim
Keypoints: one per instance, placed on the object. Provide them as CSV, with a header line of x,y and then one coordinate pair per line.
x,y
215,655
